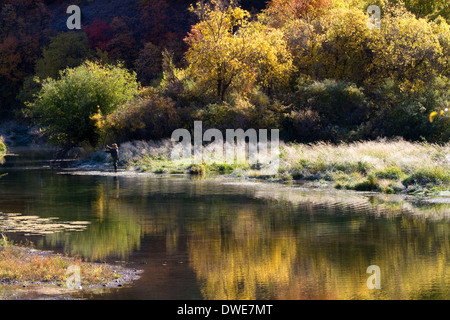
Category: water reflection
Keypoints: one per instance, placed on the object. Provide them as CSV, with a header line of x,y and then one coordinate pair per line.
x,y
244,241
243,255
305,261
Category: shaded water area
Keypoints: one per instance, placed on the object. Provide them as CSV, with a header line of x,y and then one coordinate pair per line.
x,y
228,239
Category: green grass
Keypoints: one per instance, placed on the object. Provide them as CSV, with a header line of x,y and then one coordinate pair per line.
x,y
2,146
162,165
2,153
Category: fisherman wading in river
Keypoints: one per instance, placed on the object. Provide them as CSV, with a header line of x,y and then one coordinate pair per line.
x,y
114,151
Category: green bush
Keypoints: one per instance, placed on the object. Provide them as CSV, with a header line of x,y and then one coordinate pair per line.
x,y
255,111
66,108
392,173
368,184
406,114
199,169
425,176
326,110
223,168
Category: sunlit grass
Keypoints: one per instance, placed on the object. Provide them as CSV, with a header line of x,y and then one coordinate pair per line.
x,y
383,165
23,265
2,150
389,166
2,146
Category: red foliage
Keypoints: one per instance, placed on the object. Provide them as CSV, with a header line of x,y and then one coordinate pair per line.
x,y
99,34
23,26
155,18
10,58
122,44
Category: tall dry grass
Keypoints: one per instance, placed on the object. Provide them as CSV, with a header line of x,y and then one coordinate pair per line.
x,y
375,155
410,163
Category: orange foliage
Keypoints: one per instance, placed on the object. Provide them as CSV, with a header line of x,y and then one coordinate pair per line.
x,y
284,10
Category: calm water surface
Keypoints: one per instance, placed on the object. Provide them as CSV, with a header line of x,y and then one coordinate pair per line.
x,y
207,239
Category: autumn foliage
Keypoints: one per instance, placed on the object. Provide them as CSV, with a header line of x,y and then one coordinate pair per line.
x,y
312,68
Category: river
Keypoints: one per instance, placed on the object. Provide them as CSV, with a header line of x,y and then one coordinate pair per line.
x,y
228,239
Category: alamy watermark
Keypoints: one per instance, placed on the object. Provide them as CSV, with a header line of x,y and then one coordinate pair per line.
x,y
74,279
74,21
249,147
374,281
373,22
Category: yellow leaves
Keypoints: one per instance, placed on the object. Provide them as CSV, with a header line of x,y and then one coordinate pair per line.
x,y
435,113
228,52
98,119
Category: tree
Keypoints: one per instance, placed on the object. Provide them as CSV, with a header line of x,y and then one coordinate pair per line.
x,y
66,50
410,50
156,19
99,34
339,45
228,52
122,45
427,8
23,27
148,65
281,11
66,107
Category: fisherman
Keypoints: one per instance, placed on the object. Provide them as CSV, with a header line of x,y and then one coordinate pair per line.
x,y
114,151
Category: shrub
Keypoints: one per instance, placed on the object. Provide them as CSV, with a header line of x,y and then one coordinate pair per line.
x,y
65,108
148,117
392,173
425,176
199,169
406,114
368,184
326,110
242,113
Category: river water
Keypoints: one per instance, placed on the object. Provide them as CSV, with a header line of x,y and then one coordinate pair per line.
x,y
228,239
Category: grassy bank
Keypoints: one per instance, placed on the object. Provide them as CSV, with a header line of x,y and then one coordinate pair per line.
x,y
2,152
2,146
22,265
385,166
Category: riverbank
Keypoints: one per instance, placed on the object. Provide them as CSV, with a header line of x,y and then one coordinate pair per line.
x,y
2,149
394,166
388,166
27,273
2,146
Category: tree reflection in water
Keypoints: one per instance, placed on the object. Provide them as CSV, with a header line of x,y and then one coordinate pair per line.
x,y
255,241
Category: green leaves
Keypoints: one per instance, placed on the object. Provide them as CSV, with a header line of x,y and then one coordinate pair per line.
x,y
65,107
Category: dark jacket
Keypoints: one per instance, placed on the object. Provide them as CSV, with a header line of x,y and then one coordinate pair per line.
x,y
114,152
